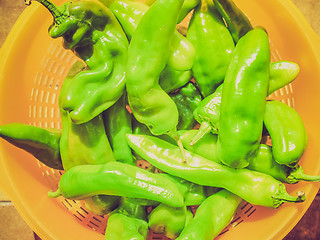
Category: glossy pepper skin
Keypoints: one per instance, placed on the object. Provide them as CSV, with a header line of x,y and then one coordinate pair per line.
x,y
214,46
288,134
147,57
120,179
129,13
263,162
93,33
208,111
254,187
42,143
243,100
178,69
237,21
85,143
168,220
212,216
187,99
117,121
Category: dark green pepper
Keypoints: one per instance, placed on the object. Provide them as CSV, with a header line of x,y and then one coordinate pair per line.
x,y
237,21
212,216
42,143
102,204
288,134
168,220
214,46
263,162
93,33
147,57
208,111
254,187
118,123
243,100
187,99
119,179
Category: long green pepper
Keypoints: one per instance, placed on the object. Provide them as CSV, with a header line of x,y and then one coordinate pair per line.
x,y
243,100
208,111
254,187
147,57
212,216
263,162
214,46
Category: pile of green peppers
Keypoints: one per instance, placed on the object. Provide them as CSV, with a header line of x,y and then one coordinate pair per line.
x,y
196,106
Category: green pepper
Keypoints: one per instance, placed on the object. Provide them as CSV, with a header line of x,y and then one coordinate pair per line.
x,y
208,111
102,204
122,227
85,143
119,179
171,79
127,222
288,134
187,99
93,33
243,100
263,162
118,123
129,13
212,216
147,57
237,21
192,193
187,7
42,143
168,220
214,46
254,187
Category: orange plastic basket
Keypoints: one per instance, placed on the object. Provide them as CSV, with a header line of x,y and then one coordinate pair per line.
x,y
32,71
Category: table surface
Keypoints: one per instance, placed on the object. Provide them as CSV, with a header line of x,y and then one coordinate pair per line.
x,y
14,227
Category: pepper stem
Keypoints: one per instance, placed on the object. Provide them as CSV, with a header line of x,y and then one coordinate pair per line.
x,y
282,196
53,9
54,194
297,174
174,134
205,128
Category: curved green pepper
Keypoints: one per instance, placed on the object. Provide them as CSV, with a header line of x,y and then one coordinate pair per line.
x,y
288,134
119,179
147,57
212,216
85,143
93,33
129,13
243,100
208,111
263,162
42,143
254,187
214,46
237,21
168,220
117,121
187,99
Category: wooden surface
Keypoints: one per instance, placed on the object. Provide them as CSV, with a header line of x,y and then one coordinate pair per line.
x,y
13,227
